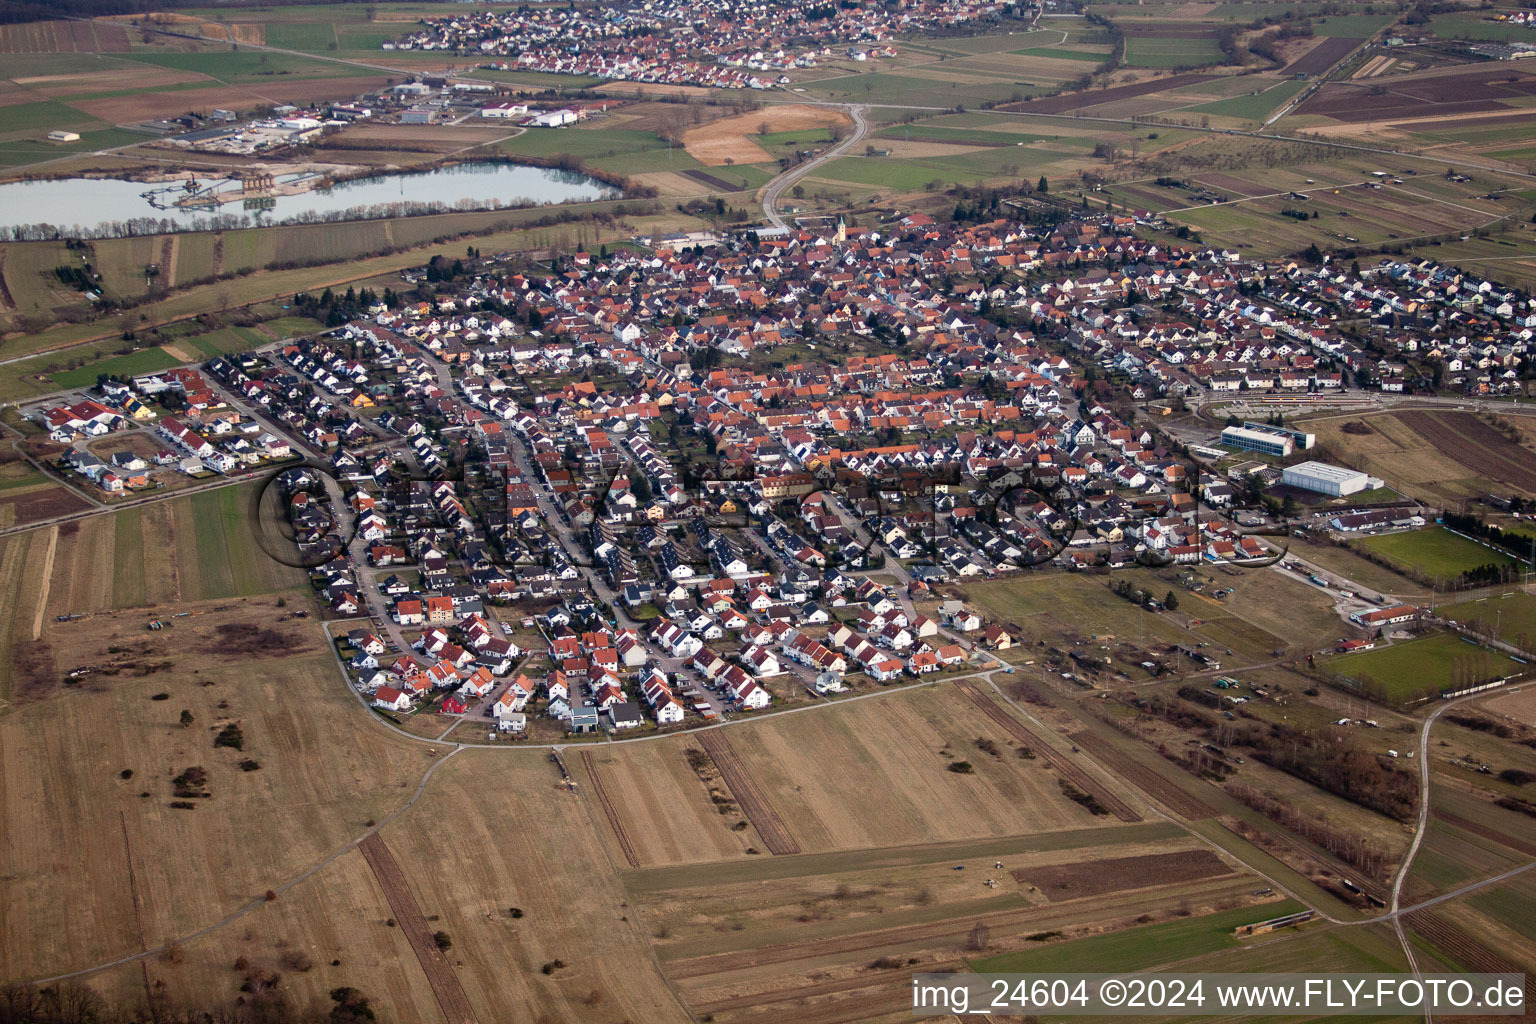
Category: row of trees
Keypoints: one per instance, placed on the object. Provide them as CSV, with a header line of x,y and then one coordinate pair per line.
x,y
261,1003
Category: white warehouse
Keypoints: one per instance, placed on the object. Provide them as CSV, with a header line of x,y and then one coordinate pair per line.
x,y
555,119
1325,479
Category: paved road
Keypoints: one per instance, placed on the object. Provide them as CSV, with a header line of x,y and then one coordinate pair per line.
x,y
775,188
1396,913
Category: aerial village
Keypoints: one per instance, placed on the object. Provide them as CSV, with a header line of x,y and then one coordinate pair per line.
x,y
698,478
753,43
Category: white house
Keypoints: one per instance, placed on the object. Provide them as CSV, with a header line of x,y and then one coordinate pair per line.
x,y
391,698
669,712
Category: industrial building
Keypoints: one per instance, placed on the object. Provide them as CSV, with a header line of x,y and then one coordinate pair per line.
x,y
63,136
1264,440
1302,439
554,119
1325,479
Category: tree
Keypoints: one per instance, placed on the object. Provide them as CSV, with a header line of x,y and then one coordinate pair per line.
x,y
1042,185
442,940
186,718
1288,507
351,1007
1171,601
640,486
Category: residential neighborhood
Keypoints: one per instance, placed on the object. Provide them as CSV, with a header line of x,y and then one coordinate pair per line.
x,y
677,483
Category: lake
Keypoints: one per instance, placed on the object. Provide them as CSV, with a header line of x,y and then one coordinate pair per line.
x,y
107,206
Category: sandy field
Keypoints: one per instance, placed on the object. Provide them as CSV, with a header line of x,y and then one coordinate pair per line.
x,y
730,138
902,150
670,183
1520,706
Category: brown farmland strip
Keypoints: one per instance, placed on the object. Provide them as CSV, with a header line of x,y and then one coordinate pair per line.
x,y
1081,879
1466,951
1069,771
84,38
112,38
1321,57
748,797
1486,832
445,984
609,810
713,182
1229,183
1094,97
1475,445
31,504
1151,783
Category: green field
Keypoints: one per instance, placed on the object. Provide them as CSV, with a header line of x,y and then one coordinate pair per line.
x,y
43,117
293,326
619,150
1435,551
1137,948
144,361
224,341
1251,107
17,152
1157,52
308,36
533,79
246,66
1471,26
1513,615
942,133
1086,56
812,136
228,561
892,87
128,558
1406,670
919,172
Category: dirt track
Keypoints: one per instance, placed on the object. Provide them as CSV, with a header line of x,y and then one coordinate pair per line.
x,y
1154,785
609,810
445,983
748,797
1069,771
